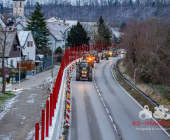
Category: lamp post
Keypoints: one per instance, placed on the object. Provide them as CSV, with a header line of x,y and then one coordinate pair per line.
x,y
19,65
52,58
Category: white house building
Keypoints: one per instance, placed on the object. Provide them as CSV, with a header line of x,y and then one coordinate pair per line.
x,y
58,35
21,25
28,44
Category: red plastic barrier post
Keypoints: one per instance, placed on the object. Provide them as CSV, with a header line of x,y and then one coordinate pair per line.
x,y
51,108
43,125
74,53
47,118
104,46
54,98
37,131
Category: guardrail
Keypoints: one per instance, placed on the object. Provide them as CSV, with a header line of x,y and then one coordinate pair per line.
x,y
50,125
149,99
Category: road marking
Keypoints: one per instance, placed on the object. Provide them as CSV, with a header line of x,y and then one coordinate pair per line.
x,y
97,90
104,104
99,94
137,102
101,99
96,86
115,127
111,118
107,110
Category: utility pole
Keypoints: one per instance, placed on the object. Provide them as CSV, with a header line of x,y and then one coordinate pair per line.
x,y
160,9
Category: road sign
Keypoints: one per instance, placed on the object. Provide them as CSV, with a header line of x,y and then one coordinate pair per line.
x,y
6,72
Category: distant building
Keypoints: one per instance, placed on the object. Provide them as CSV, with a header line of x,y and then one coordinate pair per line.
x,y
18,8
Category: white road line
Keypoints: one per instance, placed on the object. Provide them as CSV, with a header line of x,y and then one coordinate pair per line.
x,y
115,127
97,90
101,99
138,104
99,94
96,86
107,110
111,118
104,104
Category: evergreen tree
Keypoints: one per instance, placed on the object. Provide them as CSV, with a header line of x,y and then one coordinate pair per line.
x,y
78,36
37,25
104,31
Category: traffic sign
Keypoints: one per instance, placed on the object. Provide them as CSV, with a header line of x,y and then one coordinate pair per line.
x,y
6,72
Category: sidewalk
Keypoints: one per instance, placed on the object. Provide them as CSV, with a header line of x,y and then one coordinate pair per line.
x,y
19,115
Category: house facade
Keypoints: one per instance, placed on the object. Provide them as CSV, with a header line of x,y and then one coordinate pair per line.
x,y
12,53
28,45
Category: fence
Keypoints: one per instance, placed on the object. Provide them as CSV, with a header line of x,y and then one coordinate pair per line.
x,y
30,65
55,98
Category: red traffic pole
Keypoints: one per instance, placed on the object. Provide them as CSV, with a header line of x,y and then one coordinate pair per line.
x,y
51,108
54,97
43,125
47,118
37,131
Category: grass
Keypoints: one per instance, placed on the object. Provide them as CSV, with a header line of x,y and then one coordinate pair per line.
x,y
4,97
139,98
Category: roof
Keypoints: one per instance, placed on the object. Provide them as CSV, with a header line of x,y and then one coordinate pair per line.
x,y
2,24
57,30
23,36
70,22
18,0
9,41
23,23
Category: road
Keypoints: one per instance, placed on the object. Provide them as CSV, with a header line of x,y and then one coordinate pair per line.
x,y
92,121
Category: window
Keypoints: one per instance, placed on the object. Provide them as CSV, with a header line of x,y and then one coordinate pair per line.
x,y
11,63
20,10
15,47
63,47
20,5
29,43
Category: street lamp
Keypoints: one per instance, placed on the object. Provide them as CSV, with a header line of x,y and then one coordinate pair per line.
x,y
19,64
52,57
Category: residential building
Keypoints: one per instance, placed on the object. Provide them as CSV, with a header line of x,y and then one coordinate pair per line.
x,y
21,25
12,53
58,35
28,45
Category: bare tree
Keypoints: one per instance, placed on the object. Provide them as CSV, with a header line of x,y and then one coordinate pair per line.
x,y
3,43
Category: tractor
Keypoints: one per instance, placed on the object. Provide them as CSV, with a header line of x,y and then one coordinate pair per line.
x,y
84,70
89,57
96,56
105,54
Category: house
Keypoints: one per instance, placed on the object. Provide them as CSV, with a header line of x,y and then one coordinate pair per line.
x,y
58,35
12,53
28,44
21,25
2,24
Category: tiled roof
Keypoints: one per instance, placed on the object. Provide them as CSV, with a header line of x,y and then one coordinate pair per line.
x,y
9,41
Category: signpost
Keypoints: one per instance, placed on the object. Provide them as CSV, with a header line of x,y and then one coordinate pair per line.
x,y
6,72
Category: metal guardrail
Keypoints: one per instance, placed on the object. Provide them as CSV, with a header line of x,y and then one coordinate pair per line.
x,y
149,99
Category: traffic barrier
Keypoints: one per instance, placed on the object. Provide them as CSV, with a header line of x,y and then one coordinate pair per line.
x,y
54,108
37,131
43,125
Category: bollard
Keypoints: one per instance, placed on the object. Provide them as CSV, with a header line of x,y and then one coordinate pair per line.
x,y
54,98
37,131
51,108
47,118
43,125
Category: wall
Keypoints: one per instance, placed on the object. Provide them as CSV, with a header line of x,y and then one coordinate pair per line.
x,y
17,10
19,27
8,60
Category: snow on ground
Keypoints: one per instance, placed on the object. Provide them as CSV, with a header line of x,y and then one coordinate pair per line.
x,y
9,104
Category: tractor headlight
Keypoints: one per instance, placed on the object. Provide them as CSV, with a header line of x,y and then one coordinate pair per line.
x,y
82,71
90,58
85,71
110,53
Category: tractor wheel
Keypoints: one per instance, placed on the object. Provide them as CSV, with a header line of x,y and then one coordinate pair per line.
x,y
93,65
107,58
101,58
77,76
97,60
90,77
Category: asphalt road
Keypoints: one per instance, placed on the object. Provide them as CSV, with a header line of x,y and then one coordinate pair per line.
x,y
92,121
